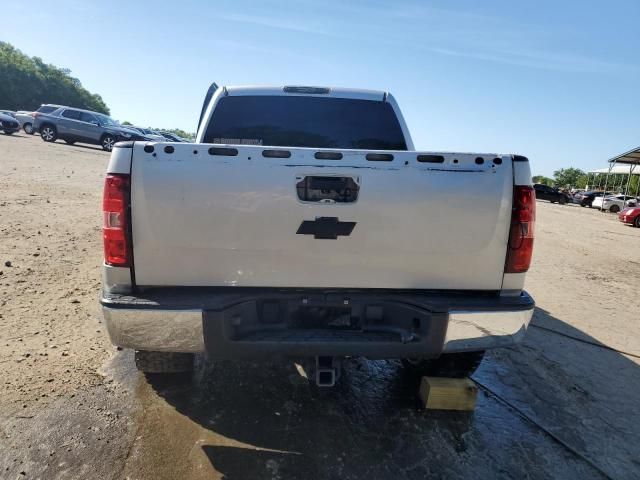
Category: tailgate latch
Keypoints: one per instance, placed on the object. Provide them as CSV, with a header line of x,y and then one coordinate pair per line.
x,y
327,228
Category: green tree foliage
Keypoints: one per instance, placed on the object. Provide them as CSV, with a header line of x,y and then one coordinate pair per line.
x,y
179,132
634,184
570,177
543,180
583,181
175,131
617,183
27,82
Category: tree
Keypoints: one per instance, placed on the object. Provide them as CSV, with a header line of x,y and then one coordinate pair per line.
x,y
583,181
570,177
27,82
177,131
543,180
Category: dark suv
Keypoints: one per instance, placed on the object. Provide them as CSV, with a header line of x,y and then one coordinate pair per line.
x,y
75,125
544,192
585,199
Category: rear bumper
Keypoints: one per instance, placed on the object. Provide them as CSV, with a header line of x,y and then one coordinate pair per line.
x,y
254,323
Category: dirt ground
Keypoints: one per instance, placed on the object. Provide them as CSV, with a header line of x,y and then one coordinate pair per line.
x,y
564,404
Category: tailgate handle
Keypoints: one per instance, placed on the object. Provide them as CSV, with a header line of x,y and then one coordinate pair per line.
x,y
328,189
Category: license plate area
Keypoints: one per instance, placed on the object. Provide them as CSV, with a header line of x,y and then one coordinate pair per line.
x,y
327,189
324,317
311,315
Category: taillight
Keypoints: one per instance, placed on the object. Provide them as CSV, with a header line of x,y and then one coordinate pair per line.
x,y
115,205
523,218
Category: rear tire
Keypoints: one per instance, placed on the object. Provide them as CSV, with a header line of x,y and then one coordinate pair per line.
x,y
614,209
48,133
453,365
562,201
636,222
28,128
163,362
107,142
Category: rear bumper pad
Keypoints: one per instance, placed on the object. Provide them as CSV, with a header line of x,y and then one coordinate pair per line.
x,y
253,323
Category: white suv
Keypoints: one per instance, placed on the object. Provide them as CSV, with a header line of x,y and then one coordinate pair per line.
x,y
615,203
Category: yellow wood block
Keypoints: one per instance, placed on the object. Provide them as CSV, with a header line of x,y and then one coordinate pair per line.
x,y
439,393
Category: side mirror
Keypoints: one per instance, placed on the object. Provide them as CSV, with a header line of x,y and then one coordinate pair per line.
x,y
95,122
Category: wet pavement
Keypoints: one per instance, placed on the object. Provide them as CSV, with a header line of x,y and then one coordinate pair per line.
x,y
548,409
554,407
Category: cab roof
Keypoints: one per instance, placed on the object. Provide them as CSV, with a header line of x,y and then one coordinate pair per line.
x,y
283,90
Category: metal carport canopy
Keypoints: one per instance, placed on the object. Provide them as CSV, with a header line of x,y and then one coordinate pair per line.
x,y
632,157
618,169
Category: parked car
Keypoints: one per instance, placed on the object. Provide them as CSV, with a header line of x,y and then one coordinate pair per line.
x,y
585,199
43,109
172,137
615,203
552,194
276,256
148,133
573,193
26,121
8,124
46,108
631,216
75,125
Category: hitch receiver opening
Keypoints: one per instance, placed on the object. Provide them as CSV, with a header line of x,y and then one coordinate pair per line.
x,y
327,371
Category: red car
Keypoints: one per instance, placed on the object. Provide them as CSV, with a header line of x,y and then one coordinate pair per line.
x,y
630,216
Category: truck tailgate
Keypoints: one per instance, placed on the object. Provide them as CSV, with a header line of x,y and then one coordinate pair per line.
x,y
252,216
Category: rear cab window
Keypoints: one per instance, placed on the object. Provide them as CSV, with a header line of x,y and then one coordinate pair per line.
x,y
304,121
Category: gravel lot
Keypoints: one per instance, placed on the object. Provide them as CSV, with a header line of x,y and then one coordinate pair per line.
x,y
562,405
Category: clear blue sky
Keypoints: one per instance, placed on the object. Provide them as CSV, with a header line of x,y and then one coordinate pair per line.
x,y
557,81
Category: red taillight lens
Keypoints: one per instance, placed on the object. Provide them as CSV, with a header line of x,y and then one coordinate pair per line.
x,y
523,219
115,204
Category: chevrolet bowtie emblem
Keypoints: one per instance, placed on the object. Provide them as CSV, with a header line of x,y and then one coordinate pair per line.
x,y
328,228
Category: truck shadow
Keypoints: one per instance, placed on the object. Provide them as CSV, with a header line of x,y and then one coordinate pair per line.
x,y
554,407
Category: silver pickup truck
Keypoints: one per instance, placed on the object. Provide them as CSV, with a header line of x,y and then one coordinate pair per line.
x,y
302,223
